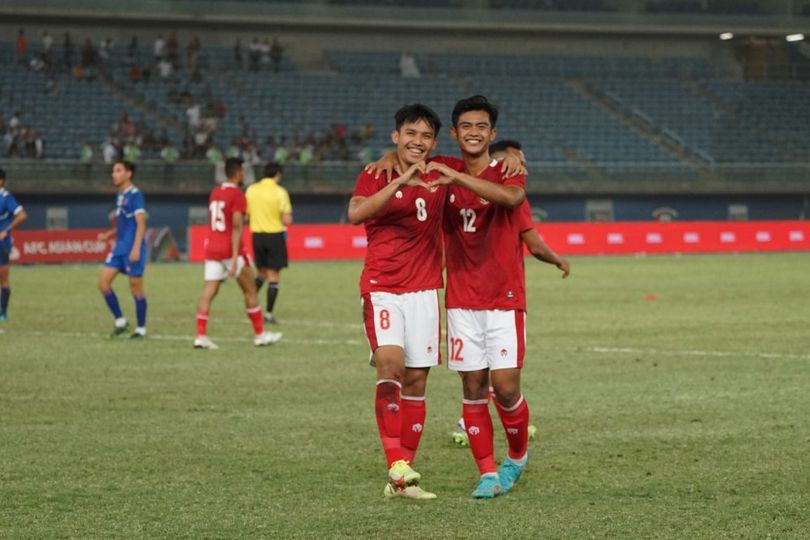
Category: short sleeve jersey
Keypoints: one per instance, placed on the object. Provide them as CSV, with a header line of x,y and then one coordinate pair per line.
x,y
9,207
267,202
127,205
404,238
224,201
525,216
484,253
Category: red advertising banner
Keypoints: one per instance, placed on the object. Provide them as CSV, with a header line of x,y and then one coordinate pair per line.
x,y
312,242
72,245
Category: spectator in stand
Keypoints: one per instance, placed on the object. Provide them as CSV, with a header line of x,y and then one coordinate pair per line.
x,y
86,153
104,50
21,48
193,114
69,51
237,54
14,121
88,53
255,53
407,66
307,155
172,47
132,50
169,153
201,142
52,87
165,69
214,155
158,48
276,52
233,149
135,73
264,50
47,44
131,152
38,145
192,54
37,63
282,153
109,151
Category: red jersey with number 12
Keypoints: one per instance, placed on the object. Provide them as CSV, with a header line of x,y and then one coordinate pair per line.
x,y
225,199
483,248
404,238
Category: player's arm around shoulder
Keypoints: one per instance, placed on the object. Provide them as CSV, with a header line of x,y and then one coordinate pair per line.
x,y
510,192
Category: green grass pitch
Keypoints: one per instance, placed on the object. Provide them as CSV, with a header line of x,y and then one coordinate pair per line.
x,y
672,396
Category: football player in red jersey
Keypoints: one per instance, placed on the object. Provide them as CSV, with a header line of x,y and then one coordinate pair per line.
x,y
485,296
226,256
399,287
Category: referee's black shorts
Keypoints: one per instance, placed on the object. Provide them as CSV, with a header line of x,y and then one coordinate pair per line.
x,y
270,250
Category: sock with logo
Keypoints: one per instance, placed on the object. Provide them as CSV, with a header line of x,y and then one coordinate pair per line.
x,y
255,316
515,420
386,407
479,431
112,303
413,423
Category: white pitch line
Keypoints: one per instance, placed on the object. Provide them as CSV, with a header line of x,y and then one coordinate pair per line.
x,y
721,354
291,322
189,338
595,349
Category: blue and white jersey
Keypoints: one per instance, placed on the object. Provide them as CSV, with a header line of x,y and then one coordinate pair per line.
x,y
129,203
9,207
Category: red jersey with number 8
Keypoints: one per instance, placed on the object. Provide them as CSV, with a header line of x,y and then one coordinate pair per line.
x,y
483,249
225,199
404,251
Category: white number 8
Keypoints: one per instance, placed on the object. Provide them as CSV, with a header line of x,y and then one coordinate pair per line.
x,y
421,210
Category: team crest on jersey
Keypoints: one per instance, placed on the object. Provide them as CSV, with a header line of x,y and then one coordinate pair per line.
x,y
416,428
398,195
510,294
504,352
452,198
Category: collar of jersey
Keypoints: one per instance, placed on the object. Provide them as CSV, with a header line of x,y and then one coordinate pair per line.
x,y
228,185
130,188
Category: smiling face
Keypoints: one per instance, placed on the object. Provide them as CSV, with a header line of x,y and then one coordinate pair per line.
x,y
474,132
415,141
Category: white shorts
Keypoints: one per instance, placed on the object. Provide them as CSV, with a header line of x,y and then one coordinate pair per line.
x,y
409,320
485,339
218,270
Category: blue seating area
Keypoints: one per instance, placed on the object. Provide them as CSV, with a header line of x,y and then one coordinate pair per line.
x,y
685,115
544,103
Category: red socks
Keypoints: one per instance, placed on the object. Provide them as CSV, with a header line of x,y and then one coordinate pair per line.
x,y
515,420
413,422
202,322
386,405
255,316
479,430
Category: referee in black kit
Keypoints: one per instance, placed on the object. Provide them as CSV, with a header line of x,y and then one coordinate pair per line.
x,y
270,214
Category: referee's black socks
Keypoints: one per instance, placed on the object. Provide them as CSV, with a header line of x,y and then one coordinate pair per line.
x,y
259,282
272,293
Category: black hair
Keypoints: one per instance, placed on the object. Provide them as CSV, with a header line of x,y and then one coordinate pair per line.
x,y
476,103
415,112
232,166
128,165
272,169
502,145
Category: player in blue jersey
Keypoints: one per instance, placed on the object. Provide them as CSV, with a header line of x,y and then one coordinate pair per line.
x,y
11,215
129,254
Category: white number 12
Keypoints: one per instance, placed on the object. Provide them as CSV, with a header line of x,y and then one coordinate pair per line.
x,y
468,215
